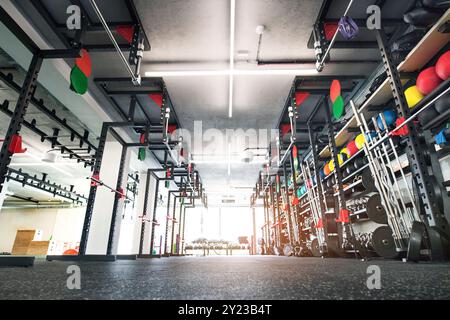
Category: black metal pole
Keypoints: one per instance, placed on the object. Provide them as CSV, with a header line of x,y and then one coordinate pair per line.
x,y
184,229
25,95
155,206
114,217
169,194
93,190
144,212
174,215
179,228
288,211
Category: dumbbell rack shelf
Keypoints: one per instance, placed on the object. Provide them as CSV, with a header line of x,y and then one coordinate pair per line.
x,y
304,214
355,173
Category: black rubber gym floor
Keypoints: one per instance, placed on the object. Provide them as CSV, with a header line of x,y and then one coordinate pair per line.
x,y
228,278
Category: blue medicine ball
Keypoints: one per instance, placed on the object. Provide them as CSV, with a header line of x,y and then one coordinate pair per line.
x,y
390,116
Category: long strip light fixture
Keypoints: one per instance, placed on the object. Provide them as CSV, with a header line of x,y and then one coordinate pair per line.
x,y
232,27
234,72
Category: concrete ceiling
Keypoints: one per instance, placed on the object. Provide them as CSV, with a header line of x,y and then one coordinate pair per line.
x,y
194,35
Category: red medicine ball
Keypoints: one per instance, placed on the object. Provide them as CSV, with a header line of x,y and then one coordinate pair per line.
x,y
428,80
443,66
351,148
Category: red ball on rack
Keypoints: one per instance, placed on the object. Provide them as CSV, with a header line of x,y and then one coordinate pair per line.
x,y
352,148
428,80
443,66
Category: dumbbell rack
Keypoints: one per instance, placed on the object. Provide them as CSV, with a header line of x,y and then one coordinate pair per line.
x,y
348,192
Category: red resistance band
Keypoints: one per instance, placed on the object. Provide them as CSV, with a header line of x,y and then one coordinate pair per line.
x,y
142,138
403,131
121,193
95,183
319,224
16,145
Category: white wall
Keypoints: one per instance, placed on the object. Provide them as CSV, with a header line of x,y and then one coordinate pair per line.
x,y
60,224
104,200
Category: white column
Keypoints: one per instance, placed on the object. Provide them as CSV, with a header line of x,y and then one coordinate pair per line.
x,y
149,215
137,219
104,200
3,193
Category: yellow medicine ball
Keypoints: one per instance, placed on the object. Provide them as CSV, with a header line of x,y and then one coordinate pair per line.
x,y
360,140
413,96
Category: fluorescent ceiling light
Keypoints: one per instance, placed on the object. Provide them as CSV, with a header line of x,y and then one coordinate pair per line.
x,y
187,73
226,162
235,72
230,97
231,82
274,72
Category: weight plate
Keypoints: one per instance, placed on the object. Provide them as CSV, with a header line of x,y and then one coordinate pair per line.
x,y
333,249
375,210
335,90
418,230
439,245
315,249
383,242
78,81
438,192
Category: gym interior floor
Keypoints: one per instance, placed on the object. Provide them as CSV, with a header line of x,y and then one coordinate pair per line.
x,y
229,278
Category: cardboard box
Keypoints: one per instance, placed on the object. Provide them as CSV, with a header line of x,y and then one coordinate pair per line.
x,y
22,242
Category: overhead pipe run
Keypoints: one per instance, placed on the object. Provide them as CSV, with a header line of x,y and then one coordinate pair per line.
x,y
135,76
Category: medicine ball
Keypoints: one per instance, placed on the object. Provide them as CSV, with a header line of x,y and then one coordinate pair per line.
x,y
389,116
322,173
443,66
413,96
351,148
345,154
360,140
326,169
428,80
331,165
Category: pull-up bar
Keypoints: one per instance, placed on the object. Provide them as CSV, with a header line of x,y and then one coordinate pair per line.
x,y
136,78
320,63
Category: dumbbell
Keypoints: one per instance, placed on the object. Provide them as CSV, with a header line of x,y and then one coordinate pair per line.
x,y
358,163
